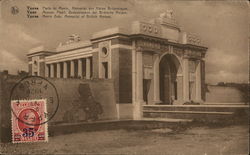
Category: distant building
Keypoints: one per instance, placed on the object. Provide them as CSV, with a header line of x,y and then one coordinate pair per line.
x,y
150,62
20,74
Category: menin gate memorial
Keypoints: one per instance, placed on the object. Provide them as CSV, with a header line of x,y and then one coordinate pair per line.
x,y
150,63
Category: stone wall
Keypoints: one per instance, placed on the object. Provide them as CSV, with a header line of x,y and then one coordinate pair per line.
x,y
95,62
223,94
115,71
78,100
42,69
125,76
5,110
30,69
73,96
122,74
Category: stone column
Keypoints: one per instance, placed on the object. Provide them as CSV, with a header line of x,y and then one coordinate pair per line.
x,y
157,79
58,70
72,68
139,77
198,82
185,80
88,68
134,73
139,87
80,68
46,70
179,88
52,70
65,70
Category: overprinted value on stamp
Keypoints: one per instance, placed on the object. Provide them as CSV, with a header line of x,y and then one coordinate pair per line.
x,y
27,118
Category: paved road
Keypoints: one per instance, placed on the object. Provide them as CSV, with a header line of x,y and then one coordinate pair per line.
x,y
232,140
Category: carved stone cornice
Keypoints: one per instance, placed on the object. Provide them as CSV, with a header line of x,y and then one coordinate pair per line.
x,y
178,51
138,49
148,44
192,54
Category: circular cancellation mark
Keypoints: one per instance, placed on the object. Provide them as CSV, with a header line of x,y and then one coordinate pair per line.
x,y
36,88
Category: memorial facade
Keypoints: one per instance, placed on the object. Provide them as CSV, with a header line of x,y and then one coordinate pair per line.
x,y
150,63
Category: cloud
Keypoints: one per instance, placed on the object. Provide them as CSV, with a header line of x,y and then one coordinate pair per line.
x,y
225,66
223,76
15,33
11,62
23,36
14,43
221,26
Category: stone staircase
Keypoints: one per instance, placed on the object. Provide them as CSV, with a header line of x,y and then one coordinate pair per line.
x,y
215,103
204,112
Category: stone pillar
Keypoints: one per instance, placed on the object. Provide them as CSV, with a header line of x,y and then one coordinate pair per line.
x,y
139,87
179,88
80,68
185,80
157,79
198,82
139,77
72,68
52,70
65,70
87,68
46,70
58,70
134,73
203,91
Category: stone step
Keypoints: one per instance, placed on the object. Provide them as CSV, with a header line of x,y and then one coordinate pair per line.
x,y
214,103
206,112
204,108
189,112
170,120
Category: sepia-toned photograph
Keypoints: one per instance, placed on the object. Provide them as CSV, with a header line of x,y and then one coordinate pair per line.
x,y
124,77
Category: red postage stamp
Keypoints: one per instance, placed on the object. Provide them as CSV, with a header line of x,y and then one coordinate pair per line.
x,y
29,121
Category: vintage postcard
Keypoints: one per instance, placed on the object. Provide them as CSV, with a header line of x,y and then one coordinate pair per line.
x,y
124,77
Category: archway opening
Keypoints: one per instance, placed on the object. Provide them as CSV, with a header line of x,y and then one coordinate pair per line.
x,y
169,66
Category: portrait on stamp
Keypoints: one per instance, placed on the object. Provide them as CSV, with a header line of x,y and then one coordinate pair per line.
x,y
26,118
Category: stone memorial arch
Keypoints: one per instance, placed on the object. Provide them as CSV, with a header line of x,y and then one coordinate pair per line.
x,y
150,63
170,69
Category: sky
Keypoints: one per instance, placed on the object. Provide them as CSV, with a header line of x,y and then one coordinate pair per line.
x,y
223,27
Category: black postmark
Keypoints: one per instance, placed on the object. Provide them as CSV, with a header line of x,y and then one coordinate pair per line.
x,y
35,88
